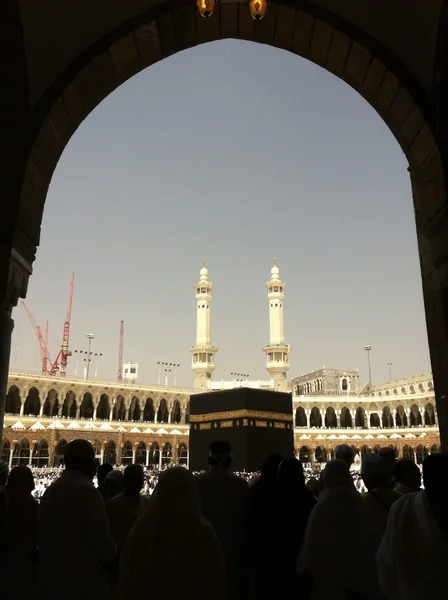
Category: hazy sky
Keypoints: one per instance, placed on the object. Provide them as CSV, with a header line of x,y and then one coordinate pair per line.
x,y
235,152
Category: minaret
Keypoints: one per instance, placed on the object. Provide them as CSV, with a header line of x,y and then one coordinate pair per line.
x,y
277,352
203,360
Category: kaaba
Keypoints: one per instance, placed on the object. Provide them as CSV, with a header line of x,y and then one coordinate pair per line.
x,y
257,423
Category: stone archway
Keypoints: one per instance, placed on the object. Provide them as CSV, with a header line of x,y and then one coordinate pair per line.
x,y
310,32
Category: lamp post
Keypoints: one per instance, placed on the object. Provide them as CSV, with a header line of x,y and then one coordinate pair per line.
x,y
168,367
368,349
389,364
97,357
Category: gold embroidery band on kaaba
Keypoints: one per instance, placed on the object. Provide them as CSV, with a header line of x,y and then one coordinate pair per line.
x,y
244,414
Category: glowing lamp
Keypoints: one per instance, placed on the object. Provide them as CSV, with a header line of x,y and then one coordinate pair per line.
x,y
258,8
205,7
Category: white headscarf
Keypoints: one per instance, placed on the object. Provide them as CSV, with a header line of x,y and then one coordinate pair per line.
x,y
341,519
172,550
413,556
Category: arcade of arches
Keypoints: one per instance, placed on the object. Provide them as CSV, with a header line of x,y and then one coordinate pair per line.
x,y
150,425
395,57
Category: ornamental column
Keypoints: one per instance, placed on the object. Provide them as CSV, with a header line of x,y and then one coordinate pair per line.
x,y
14,275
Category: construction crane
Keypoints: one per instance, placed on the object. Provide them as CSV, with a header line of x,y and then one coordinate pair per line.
x,y
60,363
44,354
64,353
120,352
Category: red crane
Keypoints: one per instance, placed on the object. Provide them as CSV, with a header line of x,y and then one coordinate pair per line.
x,y
120,352
44,354
60,364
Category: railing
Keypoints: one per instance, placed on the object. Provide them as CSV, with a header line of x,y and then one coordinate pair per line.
x,y
103,382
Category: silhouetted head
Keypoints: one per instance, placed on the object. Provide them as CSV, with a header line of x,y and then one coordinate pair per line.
x,y
435,477
345,453
175,492
102,473
4,472
220,455
80,456
113,484
20,481
390,459
290,475
313,486
408,474
269,468
374,471
336,475
134,478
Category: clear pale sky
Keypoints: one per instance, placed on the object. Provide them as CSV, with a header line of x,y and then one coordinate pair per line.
x,y
238,153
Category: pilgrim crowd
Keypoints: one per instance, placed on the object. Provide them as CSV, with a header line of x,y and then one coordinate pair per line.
x,y
219,536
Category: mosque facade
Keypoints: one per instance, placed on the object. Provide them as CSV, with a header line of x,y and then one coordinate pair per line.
x,y
129,422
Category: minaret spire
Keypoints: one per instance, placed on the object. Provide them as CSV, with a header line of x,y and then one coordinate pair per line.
x,y
203,359
277,352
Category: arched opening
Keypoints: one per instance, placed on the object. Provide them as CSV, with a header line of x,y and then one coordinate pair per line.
x,y
415,417
40,454
346,418
59,452
344,384
110,453
6,451
119,410
360,418
103,408
321,455
187,413
126,455
148,411
140,454
32,403
330,418
435,449
135,410
182,454
167,455
162,413
305,455
67,403
176,414
387,420
348,68
400,417
300,418
365,450
12,405
421,452
430,418
375,422
408,452
315,417
86,409
49,404
154,456
21,455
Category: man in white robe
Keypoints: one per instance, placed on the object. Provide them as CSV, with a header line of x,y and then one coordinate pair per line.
x,y
413,556
74,537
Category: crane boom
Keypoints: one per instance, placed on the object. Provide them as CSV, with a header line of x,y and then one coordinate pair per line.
x,y
65,350
44,354
120,352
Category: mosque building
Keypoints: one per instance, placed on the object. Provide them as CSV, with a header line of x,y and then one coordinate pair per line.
x,y
130,422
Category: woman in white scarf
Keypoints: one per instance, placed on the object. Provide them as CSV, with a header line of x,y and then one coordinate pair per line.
x,y
413,556
172,551
341,541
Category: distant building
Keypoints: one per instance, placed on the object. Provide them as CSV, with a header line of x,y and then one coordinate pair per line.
x,y
327,382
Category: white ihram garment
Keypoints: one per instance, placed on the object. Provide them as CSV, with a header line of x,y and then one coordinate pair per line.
x,y
413,556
